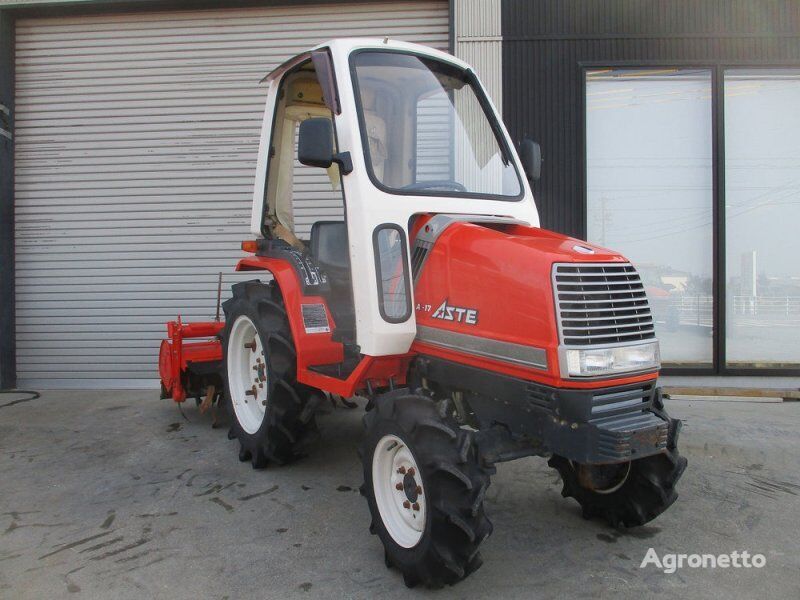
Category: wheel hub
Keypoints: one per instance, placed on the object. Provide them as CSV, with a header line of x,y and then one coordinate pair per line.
x,y
410,487
602,479
261,371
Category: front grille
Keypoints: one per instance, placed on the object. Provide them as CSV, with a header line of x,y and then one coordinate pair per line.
x,y
626,425
621,404
601,304
539,396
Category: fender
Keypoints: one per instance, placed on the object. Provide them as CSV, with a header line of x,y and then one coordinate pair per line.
x,y
314,346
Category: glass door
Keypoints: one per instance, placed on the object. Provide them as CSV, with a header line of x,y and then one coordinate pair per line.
x,y
762,213
650,194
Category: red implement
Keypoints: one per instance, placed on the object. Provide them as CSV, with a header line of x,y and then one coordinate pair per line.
x,y
177,356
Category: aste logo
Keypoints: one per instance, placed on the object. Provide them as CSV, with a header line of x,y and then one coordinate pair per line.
x,y
445,312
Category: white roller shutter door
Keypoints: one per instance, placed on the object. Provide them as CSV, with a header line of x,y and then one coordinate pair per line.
x,y
136,141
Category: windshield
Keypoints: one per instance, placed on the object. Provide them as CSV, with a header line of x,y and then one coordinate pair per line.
x,y
426,128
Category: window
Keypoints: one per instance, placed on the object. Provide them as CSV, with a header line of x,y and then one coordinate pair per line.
x,y
650,194
426,130
296,195
762,212
391,266
433,155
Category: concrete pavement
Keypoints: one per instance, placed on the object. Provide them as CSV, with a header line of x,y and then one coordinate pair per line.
x,y
115,495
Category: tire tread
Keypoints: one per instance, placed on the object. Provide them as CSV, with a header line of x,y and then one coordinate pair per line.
x,y
287,421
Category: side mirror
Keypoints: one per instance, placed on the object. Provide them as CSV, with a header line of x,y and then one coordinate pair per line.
x,y
315,146
315,143
530,153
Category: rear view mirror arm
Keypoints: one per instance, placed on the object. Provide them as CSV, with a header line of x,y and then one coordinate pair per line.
x,y
344,161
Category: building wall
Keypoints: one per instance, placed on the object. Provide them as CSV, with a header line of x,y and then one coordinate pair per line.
x,y
546,42
550,45
479,42
7,345
136,135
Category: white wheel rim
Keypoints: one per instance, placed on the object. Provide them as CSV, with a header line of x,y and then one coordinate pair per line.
x,y
613,488
247,374
619,484
403,511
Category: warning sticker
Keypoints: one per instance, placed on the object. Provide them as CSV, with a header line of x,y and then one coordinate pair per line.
x,y
315,319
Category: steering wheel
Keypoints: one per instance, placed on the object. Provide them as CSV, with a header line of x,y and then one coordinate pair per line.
x,y
427,185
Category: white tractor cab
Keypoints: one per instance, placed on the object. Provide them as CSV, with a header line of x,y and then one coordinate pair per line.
x,y
393,109
403,263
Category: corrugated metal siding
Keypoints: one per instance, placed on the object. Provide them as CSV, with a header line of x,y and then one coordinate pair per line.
x,y
136,141
434,128
478,41
544,43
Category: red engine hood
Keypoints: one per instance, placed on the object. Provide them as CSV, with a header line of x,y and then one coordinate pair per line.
x,y
494,283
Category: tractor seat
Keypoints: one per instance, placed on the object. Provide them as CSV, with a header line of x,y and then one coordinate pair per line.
x,y
329,250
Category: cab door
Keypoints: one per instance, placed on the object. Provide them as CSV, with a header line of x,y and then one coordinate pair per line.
x,y
421,137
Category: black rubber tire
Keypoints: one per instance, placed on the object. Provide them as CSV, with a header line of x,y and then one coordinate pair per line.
x,y
287,420
453,479
647,492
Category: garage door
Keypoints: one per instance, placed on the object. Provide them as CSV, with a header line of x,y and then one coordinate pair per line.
x,y
136,142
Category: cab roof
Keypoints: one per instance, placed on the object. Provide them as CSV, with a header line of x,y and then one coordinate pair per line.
x,y
344,46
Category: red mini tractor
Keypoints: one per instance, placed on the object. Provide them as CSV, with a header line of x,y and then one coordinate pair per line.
x,y
399,258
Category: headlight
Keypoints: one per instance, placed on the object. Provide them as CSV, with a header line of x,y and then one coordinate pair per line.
x,y
610,361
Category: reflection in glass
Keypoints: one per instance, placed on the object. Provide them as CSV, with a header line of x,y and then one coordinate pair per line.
x,y
649,193
426,130
391,273
762,212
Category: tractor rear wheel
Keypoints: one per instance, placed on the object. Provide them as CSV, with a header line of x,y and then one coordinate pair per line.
x,y
269,410
629,494
425,485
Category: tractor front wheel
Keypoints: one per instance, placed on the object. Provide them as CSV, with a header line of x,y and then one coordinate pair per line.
x,y
627,494
425,486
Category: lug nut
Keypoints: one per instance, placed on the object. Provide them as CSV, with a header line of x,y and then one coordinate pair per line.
x,y
398,487
411,471
415,506
419,490
406,504
402,470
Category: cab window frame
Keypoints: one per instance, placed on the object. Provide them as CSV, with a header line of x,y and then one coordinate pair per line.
x,y
486,107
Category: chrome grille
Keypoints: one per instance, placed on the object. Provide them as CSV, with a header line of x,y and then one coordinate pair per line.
x,y
601,304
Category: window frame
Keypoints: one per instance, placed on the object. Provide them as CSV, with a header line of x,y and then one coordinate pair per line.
x,y
334,107
378,272
485,104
